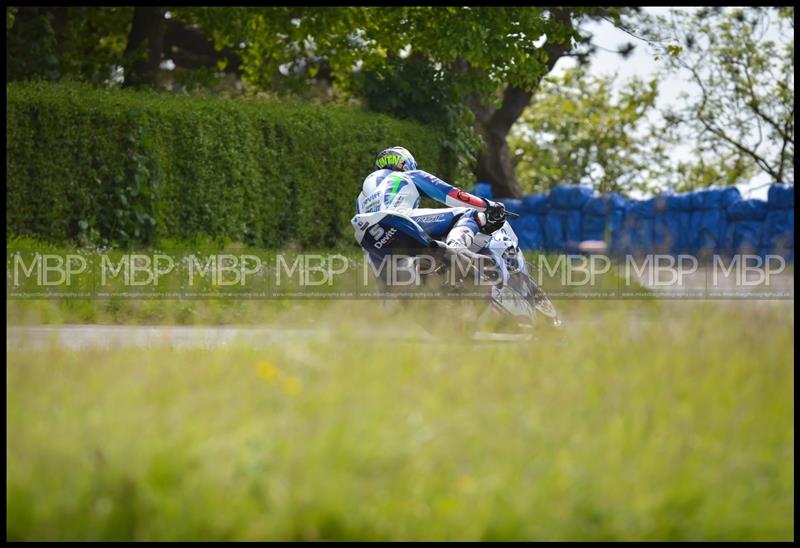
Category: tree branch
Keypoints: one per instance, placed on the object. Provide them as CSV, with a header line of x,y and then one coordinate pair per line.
x,y
783,148
758,159
763,164
754,105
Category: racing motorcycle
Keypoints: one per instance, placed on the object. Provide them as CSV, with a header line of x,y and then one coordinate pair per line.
x,y
491,287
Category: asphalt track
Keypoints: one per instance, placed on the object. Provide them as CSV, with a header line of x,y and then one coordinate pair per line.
x,y
118,336
77,337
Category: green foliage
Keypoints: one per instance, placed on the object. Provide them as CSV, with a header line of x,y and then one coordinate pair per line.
x,y
126,204
122,167
500,43
74,43
31,46
11,13
738,110
458,53
739,121
577,130
412,88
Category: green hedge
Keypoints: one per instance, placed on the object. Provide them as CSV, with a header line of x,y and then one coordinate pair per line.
x,y
133,167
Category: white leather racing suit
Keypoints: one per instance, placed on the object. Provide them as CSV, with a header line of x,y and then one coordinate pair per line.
x,y
400,191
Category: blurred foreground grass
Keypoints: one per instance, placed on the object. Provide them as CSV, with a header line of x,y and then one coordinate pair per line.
x,y
653,421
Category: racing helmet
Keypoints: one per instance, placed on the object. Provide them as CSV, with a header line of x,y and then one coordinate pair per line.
x,y
396,159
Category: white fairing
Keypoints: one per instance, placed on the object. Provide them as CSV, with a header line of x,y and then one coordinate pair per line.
x,y
503,241
386,189
504,246
362,221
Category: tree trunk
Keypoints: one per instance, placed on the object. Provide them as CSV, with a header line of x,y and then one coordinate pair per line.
x,y
496,163
145,46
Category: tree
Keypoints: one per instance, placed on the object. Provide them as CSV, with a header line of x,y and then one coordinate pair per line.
x,y
105,45
577,130
481,65
495,121
740,112
55,43
489,60
145,46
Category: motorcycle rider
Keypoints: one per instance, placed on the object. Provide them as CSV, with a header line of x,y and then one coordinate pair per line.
x,y
396,184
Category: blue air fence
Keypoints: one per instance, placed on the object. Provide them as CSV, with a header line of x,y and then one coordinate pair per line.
x,y
701,223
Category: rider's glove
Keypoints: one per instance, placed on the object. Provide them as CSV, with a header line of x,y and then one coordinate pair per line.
x,y
492,218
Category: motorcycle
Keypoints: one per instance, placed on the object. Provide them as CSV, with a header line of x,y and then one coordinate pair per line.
x,y
493,283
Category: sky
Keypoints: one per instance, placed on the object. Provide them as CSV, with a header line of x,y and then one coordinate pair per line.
x,y
642,63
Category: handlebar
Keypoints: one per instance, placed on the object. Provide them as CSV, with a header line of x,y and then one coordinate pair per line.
x,y
509,213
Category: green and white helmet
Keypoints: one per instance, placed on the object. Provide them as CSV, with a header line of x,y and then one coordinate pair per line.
x,y
396,159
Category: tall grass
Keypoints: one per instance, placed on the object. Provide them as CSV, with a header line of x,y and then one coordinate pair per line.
x,y
664,421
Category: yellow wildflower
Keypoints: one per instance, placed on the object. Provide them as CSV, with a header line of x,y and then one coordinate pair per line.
x,y
266,370
292,385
